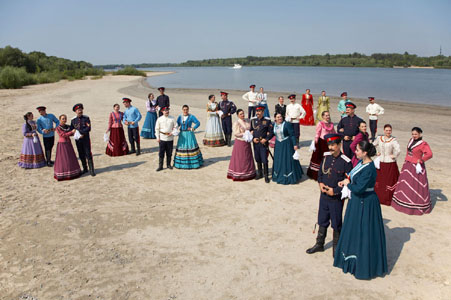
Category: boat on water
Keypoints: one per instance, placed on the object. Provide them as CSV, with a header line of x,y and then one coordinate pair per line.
x,y
237,66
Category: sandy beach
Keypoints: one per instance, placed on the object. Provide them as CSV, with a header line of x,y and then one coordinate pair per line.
x,y
133,233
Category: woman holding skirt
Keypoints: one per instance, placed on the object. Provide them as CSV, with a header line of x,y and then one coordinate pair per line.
x,y
286,169
117,145
31,156
213,132
187,153
322,128
148,130
412,194
387,175
241,166
361,249
66,164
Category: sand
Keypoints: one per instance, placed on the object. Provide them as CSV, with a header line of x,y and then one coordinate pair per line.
x,y
134,233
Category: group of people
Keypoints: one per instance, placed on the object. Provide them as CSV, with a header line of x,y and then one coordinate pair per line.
x,y
346,162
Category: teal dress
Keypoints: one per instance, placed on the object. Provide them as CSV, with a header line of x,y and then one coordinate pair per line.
x,y
187,153
285,169
361,249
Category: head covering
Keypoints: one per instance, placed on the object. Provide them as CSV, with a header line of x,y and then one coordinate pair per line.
x,y
292,96
252,86
39,108
370,98
77,106
260,107
224,93
161,88
332,138
350,104
344,94
165,108
126,100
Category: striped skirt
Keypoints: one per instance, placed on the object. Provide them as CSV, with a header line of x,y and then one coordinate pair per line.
x,y
187,153
241,166
412,194
317,158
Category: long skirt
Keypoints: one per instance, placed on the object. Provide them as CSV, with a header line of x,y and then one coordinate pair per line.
x,y
148,129
309,119
386,179
31,156
66,164
213,132
187,153
361,249
412,194
285,170
241,166
117,145
317,157
266,113
319,112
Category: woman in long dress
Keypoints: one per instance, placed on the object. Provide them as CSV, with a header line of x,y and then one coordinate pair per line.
x,y
31,156
286,169
388,150
117,145
323,105
307,105
241,166
148,129
361,249
322,128
187,153
213,132
361,136
66,164
262,99
412,195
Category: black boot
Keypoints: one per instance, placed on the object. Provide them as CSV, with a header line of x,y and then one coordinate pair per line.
x,y
132,148
229,140
47,158
85,166
335,241
138,149
259,171
160,164
321,237
265,171
91,167
168,163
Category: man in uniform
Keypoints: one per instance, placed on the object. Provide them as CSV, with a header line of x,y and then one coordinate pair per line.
x,y
131,118
262,131
82,123
46,128
334,168
294,113
162,101
228,108
349,127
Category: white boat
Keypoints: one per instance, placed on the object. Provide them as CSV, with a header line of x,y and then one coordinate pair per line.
x,y
237,66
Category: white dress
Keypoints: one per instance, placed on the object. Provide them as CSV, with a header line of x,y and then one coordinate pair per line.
x,y
213,132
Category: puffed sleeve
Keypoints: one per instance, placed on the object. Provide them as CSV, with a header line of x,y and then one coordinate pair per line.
x,y
427,152
236,129
396,148
361,181
110,121
318,131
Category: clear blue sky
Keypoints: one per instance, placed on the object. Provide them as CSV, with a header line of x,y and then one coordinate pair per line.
x,y
132,31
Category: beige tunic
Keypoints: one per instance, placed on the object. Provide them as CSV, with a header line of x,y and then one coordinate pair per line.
x,y
387,148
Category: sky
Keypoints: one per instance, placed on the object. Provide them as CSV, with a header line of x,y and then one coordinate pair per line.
x,y
138,31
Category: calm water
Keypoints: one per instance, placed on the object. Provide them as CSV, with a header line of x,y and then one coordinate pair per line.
x,y
431,86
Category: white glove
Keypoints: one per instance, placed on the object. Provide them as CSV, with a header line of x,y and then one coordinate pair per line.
x,y
77,135
418,168
377,162
345,192
35,139
312,146
175,131
247,136
105,137
296,155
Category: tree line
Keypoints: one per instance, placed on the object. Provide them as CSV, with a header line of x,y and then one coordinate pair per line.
x,y
384,60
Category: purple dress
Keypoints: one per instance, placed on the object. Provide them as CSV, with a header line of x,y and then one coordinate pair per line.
x,y
31,156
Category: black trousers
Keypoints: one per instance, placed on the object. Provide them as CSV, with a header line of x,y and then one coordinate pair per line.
x,y
133,136
330,211
84,148
227,125
260,153
166,147
251,111
347,149
296,129
48,143
373,128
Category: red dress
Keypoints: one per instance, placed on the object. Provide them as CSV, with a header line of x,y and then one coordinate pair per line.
x,y
307,104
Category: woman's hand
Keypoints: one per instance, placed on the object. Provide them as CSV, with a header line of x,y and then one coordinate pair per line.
x,y
33,134
295,148
343,182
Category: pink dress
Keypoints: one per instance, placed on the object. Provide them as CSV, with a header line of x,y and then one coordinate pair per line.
x,y
66,164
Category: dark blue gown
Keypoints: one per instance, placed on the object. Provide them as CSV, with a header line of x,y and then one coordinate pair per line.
x,y
361,249
285,169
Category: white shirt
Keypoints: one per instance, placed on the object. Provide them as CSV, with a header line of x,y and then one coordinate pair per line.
x,y
374,110
295,112
251,97
165,125
262,98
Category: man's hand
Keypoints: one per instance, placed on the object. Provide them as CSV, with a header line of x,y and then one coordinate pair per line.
x,y
263,141
256,140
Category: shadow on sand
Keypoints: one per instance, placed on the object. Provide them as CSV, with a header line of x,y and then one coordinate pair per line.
x,y
119,167
437,195
395,238
213,160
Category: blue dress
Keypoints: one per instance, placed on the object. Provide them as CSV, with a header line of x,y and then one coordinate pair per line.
x,y
187,153
285,170
361,249
148,130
